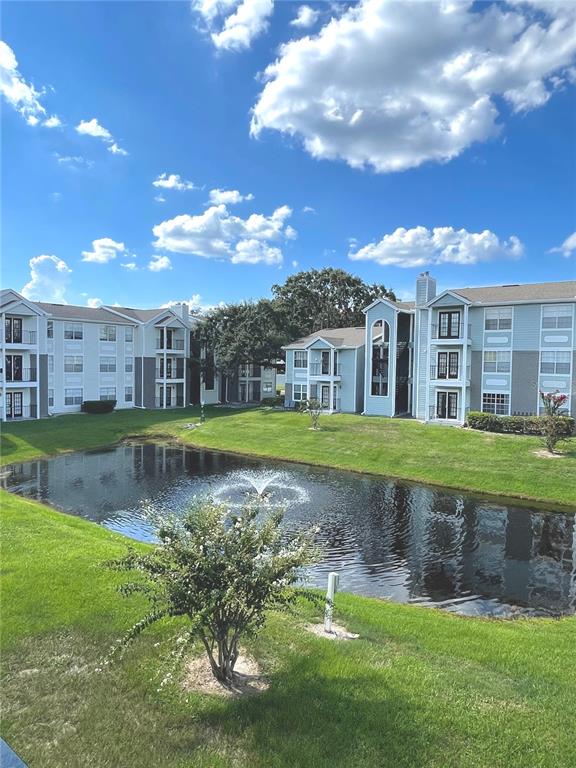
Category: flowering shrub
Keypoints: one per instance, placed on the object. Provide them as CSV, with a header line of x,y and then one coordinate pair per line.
x,y
553,403
222,571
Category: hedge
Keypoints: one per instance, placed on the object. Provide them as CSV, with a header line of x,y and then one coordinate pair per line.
x,y
98,406
273,401
518,425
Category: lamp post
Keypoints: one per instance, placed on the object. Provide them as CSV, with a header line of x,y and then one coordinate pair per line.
x,y
202,415
333,580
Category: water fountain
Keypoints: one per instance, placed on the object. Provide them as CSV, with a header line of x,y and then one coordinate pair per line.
x,y
273,488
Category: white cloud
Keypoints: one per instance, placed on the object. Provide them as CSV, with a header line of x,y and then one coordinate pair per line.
x,y
160,199
104,250
295,264
116,150
74,162
94,303
567,248
234,24
308,209
93,128
129,265
306,17
196,304
391,85
218,234
419,246
21,95
172,181
228,197
159,263
49,278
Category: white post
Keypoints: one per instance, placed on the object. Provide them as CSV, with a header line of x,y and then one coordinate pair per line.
x,y
333,580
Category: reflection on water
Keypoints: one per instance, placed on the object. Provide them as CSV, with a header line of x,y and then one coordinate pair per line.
x,y
406,542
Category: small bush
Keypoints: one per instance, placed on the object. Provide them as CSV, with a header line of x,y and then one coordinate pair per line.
x,y
517,425
272,401
98,406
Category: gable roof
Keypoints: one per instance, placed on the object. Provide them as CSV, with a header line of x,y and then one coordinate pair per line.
x,y
73,312
559,291
402,306
337,337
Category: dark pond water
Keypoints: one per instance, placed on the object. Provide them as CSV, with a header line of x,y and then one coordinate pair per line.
x,y
406,542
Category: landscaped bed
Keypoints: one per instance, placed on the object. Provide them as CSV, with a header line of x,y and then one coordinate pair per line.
x,y
511,465
418,688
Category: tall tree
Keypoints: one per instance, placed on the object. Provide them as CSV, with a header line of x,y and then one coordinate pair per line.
x,y
325,298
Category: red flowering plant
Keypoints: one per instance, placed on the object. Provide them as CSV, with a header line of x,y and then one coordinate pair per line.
x,y
552,403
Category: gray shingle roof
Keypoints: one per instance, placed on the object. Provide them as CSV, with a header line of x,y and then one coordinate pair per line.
x,y
72,312
560,291
142,315
338,337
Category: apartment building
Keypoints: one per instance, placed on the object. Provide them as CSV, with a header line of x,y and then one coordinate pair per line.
x,y
55,356
489,349
252,384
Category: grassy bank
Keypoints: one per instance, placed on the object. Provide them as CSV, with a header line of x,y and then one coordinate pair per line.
x,y
419,688
476,461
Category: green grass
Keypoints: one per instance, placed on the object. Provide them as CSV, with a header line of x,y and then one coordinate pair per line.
x,y
449,456
419,688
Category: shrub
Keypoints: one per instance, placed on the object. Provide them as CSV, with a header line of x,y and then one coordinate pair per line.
x,y
518,425
98,406
314,409
273,401
222,571
553,430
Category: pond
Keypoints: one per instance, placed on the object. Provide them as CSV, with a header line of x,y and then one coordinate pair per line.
x,y
403,541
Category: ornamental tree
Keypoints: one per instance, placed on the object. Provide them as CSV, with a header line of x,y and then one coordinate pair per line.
x,y
222,571
553,403
314,409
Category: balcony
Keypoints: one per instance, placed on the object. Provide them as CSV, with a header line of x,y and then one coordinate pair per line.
x,y
251,372
171,402
448,374
177,344
28,338
170,373
321,369
17,377
439,334
23,412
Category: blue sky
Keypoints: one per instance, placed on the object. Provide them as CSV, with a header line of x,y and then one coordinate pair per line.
x,y
445,142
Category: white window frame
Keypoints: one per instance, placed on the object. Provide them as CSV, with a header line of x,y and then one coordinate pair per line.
x,y
50,329
502,361
73,399
129,365
73,331
107,333
554,362
502,316
50,398
129,333
301,355
107,364
552,313
498,410
301,390
267,387
73,364
50,363
107,393
128,394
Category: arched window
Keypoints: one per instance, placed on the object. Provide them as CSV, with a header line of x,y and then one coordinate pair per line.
x,y
380,343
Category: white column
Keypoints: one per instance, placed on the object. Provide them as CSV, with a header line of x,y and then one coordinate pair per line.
x,y
464,365
3,363
37,366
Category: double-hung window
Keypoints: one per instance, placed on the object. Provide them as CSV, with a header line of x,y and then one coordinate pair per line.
x,y
107,393
72,397
496,402
129,333
107,333
50,398
128,365
73,331
50,329
498,319
127,394
300,359
73,363
555,362
300,392
497,361
107,365
557,316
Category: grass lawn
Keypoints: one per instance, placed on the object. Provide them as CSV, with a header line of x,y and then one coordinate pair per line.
x,y
419,688
449,456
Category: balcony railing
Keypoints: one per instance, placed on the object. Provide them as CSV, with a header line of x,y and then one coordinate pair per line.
x,y
169,343
24,412
172,402
174,373
438,333
251,372
22,337
448,374
321,369
26,374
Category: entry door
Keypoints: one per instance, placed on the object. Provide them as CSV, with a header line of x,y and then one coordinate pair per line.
x,y
254,389
169,394
14,405
13,330
326,395
13,367
325,362
447,405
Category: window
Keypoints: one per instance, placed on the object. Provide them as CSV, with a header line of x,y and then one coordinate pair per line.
x,y
498,319
559,316
50,398
127,394
73,331
555,362
73,363
380,358
494,402
107,333
50,329
50,363
129,334
107,393
497,362
128,365
267,387
72,397
448,365
107,365
449,325
300,359
300,392
13,330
